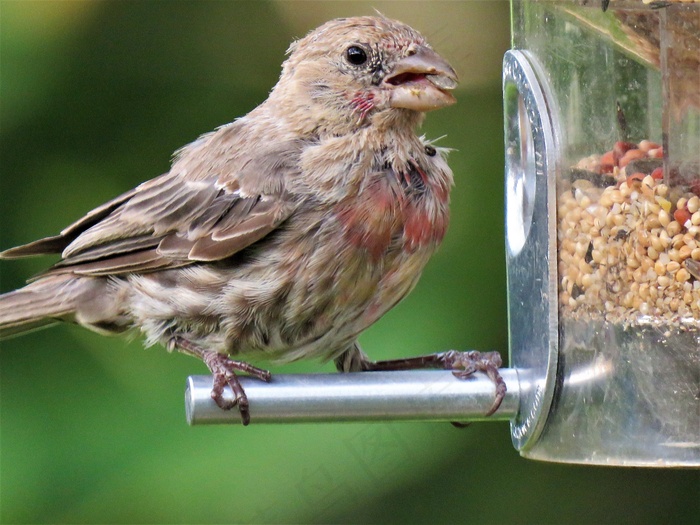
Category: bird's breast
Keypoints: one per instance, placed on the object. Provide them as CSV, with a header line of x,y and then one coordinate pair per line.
x,y
405,211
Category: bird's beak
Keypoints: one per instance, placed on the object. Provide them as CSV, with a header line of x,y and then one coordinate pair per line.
x,y
422,81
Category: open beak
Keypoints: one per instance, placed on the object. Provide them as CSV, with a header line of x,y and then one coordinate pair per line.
x,y
421,81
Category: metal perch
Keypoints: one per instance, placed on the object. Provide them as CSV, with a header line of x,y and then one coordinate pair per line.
x,y
416,395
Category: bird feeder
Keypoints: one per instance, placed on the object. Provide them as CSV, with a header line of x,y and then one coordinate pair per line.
x,y
602,133
602,137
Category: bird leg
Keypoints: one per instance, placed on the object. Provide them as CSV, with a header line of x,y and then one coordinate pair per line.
x,y
223,369
462,364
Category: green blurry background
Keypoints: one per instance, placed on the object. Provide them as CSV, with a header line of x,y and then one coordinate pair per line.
x,y
94,98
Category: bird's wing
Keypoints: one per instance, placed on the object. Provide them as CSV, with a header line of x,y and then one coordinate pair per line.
x,y
174,220
58,243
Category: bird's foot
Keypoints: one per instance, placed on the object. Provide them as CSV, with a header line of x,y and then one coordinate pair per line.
x,y
462,364
224,371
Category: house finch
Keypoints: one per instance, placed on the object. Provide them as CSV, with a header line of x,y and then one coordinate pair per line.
x,y
283,234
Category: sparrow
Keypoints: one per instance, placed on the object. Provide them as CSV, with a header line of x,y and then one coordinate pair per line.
x,y
282,235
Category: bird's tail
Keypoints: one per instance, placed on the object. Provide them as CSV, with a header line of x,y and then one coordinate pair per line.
x,y
39,304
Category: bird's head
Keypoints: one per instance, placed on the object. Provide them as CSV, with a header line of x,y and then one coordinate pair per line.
x,y
351,69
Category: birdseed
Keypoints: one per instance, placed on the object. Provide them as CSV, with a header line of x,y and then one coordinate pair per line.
x,y
629,244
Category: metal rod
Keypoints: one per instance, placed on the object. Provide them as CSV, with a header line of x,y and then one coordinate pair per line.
x,y
416,395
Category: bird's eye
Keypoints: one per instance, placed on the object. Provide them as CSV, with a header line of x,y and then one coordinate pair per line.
x,y
356,55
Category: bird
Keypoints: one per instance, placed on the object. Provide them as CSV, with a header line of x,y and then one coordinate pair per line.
x,y
282,235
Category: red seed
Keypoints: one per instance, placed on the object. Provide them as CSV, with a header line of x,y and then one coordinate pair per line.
x,y
607,162
657,174
620,148
681,216
631,155
646,145
657,153
635,178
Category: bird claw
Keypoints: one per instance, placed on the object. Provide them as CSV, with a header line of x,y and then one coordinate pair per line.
x,y
224,371
227,378
464,364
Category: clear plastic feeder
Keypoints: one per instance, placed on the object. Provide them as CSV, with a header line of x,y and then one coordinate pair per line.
x,y
602,121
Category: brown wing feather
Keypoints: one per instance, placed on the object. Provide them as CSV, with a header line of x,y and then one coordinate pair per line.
x,y
225,237
102,251
44,246
58,243
143,261
193,213
157,207
232,234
